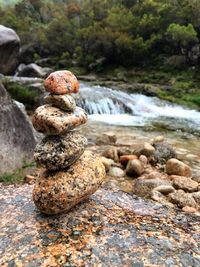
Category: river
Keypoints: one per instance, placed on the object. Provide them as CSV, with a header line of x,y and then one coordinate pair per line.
x,y
139,117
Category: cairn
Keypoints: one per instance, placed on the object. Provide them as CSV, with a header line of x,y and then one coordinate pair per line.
x,y
70,174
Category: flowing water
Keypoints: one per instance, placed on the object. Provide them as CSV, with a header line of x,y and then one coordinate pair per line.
x,y
136,116
119,108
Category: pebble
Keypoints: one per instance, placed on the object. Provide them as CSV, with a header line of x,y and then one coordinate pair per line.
x,y
61,82
146,149
107,163
111,153
135,168
143,187
189,209
185,183
165,189
143,159
65,102
177,167
50,120
57,192
182,199
116,172
59,152
125,158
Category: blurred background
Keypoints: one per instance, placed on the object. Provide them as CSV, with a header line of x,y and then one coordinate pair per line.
x,y
137,62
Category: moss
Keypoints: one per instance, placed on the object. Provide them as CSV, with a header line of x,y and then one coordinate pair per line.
x,y
23,94
18,175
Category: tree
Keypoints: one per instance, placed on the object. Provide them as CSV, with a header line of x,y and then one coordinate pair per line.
x,y
182,37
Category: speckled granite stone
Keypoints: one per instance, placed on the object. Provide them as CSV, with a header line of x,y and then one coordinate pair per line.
x,y
57,192
53,121
61,82
65,102
59,152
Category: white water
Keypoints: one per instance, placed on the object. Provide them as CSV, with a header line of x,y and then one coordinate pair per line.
x,y
120,108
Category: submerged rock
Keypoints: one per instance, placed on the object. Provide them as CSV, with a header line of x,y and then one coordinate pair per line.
x,y
59,152
53,121
57,192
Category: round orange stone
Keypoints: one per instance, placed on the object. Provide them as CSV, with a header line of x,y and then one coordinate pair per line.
x,y
61,82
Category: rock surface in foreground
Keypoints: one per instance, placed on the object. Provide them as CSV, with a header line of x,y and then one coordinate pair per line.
x,y
57,192
111,228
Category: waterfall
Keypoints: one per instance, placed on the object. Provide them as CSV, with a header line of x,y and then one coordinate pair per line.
x,y
121,108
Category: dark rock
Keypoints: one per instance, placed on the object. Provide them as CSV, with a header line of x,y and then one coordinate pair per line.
x,y
17,140
163,152
9,50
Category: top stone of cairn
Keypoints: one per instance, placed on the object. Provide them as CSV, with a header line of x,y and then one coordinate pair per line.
x,y
61,82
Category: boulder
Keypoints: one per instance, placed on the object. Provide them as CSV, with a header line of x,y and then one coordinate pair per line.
x,y
57,192
135,168
185,183
177,167
143,187
17,139
9,50
116,172
32,70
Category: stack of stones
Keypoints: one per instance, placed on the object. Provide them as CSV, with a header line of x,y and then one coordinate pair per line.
x,y
70,174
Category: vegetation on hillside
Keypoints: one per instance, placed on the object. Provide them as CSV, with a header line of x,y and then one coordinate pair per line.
x,y
111,32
